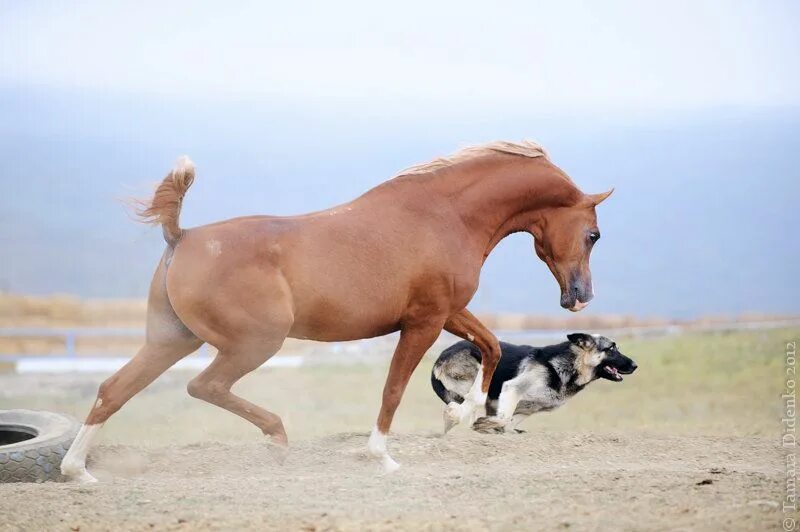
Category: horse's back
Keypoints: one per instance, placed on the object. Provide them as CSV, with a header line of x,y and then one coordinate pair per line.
x,y
345,273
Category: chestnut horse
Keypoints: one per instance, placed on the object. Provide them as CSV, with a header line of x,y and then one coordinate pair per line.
x,y
405,256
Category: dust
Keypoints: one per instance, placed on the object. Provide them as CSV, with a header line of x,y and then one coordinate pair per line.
x,y
464,481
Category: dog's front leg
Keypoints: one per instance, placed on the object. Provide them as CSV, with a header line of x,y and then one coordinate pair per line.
x,y
513,425
507,403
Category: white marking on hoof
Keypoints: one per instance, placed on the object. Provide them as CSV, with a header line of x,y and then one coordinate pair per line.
x,y
79,475
389,465
478,411
73,466
280,451
377,448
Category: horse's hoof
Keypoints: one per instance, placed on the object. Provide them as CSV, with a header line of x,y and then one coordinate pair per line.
x,y
389,465
488,425
77,474
278,438
279,447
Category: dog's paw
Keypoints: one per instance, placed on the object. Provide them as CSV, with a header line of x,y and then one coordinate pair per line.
x,y
452,416
489,425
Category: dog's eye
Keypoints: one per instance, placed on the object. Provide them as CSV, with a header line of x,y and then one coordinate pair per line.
x,y
594,236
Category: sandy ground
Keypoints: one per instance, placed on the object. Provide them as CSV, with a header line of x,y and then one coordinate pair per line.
x,y
690,442
465,481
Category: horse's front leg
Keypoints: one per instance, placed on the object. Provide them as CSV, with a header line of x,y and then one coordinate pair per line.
x,y
465,325
414,342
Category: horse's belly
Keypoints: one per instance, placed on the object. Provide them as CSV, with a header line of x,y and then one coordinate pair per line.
x,y
347,283
344,310
331,322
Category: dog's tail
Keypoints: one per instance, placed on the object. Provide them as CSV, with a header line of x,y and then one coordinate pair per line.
x,y
165,207
454,371
441,391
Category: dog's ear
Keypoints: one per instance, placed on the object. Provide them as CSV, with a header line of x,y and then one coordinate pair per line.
x,y
582,340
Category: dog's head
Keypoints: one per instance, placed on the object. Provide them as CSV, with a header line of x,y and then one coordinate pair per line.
x,y
600,356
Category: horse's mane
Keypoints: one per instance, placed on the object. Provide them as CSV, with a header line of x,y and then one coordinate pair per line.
x,y
526,148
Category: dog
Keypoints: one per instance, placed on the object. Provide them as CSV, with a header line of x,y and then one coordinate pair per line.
x,y
527,379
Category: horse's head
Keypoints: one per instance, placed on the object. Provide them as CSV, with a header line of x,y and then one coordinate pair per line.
x,y
563,238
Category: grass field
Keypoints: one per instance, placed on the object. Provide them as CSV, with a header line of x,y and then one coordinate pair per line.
x,y
713,383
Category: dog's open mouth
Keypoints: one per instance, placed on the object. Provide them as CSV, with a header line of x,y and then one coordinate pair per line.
x,y
613,372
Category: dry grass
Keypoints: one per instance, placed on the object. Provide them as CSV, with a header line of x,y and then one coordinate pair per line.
x,y
711,383
70,311
689,442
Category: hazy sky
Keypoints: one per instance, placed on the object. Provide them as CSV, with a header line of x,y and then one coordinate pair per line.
x,y
540,55
98,98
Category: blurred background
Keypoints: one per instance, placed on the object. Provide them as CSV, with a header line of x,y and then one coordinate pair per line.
x,y
691,110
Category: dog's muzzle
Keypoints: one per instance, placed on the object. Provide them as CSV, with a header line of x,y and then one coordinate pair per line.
x,y
614,368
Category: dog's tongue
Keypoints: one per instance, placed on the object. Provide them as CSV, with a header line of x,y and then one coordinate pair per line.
x,y
614,373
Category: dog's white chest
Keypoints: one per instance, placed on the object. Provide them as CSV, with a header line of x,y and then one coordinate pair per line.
x,y
537,398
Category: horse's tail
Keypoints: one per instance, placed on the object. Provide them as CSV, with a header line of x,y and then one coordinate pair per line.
x,y
165,207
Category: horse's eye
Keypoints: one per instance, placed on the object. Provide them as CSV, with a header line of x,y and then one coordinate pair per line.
x,y
594,236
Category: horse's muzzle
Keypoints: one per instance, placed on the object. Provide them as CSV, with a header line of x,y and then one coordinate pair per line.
x,y
577,295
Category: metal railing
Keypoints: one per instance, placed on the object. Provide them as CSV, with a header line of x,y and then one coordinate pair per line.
x,y
70,360
70,336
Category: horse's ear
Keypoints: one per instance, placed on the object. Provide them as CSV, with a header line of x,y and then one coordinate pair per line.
x,y
597,199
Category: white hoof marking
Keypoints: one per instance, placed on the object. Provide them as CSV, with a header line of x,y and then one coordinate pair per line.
x,y
73,466
389,465
377,448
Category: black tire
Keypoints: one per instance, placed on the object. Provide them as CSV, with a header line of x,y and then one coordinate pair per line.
x,y
32,444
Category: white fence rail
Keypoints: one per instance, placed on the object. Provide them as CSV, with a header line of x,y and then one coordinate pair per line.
x,y
69,360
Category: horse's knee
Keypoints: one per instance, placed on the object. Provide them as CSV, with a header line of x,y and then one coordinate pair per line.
x,y
206,390
197,389
194,389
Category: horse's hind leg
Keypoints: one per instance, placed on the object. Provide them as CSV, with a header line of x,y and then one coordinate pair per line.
x,y
168,341
150,362
214,384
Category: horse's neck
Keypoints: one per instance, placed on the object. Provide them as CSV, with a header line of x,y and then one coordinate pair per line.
x,y
495,200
